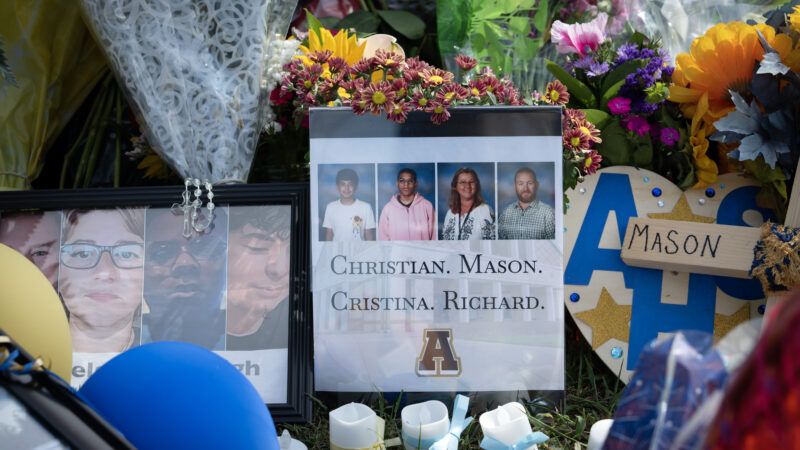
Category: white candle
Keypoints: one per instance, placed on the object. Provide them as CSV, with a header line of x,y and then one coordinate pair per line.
x,y
354,426
508,423
599,433
424,422
286,442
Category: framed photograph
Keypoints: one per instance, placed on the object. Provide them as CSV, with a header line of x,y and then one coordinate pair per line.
x,y
462,290
127,276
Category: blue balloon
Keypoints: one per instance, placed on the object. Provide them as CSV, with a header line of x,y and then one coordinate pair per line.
x,y
168,395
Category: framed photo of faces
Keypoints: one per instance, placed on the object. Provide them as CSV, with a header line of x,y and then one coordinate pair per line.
x,y
127,276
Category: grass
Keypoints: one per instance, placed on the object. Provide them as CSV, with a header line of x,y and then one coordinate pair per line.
x,y
591,393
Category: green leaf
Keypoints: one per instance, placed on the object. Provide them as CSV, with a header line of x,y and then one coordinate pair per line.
x,y
577,90
452,17
638,38
540,19
520,25
329,22
643,153
362,21
598,118
611,93
404,23
619,73
616,148
313,23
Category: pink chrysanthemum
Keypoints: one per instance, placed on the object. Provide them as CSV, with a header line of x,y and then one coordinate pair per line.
x,y
439,112
465,62
592,162
477,88
436,77
451,92
555,93
576,140
387,59
420,101
379,97
399,112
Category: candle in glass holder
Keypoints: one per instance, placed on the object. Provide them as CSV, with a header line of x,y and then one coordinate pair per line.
x,y
424,424
507,424
355,426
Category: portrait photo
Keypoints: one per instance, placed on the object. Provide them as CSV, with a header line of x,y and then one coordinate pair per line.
x,y
185,280
406,193
347,202
36,235
526,200
100,278
259,263
466,201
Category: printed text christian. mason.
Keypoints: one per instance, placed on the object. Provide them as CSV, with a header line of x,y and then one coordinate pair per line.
x,y
474,263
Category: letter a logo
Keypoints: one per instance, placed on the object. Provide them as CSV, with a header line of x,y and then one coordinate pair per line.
x,y
438,357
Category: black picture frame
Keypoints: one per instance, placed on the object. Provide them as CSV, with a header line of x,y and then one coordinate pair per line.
x,y
297,408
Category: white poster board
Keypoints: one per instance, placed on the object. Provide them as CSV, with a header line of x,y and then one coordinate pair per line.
x,y
400,304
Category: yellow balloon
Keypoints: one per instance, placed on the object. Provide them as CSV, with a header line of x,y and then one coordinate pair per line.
x,y
31,313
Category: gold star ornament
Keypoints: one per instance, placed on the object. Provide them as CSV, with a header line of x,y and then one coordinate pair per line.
x,y
724,324
608,320
682,211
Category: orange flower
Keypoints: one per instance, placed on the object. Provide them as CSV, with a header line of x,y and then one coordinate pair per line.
x,y
723,59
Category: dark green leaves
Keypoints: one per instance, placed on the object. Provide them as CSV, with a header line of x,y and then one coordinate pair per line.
x,y
361,21
578,91
404,23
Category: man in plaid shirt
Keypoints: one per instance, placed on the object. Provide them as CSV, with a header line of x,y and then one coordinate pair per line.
x,y
527,218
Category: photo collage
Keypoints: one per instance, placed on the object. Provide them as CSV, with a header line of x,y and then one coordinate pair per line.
x,y
437,201
127,276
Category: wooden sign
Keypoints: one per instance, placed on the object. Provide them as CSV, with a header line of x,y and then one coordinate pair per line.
x,y
692,247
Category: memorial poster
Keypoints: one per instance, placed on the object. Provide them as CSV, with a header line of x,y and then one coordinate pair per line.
x,y
437,259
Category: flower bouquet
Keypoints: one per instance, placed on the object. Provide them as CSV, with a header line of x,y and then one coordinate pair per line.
x,y
622,89
739,87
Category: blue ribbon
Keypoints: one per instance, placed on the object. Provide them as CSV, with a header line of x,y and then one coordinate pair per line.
x,y
459,422
6,365
531,439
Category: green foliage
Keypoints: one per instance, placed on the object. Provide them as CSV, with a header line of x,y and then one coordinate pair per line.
x,y
580,94
452,22
616,148
5,69
370,21
404,23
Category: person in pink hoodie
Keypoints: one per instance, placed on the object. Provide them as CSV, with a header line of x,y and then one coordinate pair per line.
x,y
408,216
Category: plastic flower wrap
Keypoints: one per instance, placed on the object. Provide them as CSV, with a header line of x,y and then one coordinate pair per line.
x,y
55,64
679,22
193,73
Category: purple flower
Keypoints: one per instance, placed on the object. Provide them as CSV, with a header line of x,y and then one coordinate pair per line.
x,y
669,136
596,69
636,125
619,105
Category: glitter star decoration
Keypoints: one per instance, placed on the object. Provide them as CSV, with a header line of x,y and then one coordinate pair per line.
x,y
724,324
608,320
682,211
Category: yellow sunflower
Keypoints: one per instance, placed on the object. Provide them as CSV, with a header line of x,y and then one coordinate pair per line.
x,y
794,19
343,45
723,59
704,167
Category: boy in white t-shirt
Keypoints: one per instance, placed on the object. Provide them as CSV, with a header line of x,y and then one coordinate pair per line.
x,y
348,219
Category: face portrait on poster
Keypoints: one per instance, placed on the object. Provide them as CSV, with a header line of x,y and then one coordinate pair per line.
x,y
455,294
127,276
